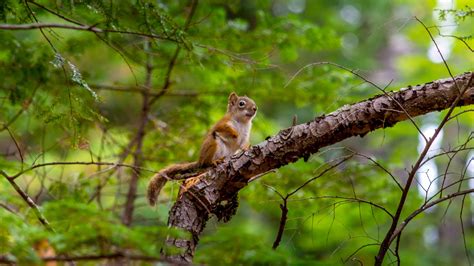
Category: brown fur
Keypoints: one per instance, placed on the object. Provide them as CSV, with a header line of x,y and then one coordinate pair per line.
x,y
230,134
158,181
44,250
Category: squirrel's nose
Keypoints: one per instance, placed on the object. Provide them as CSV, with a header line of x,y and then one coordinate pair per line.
x,y
254,108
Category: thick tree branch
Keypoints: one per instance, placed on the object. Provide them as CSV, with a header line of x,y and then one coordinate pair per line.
x,y
300,141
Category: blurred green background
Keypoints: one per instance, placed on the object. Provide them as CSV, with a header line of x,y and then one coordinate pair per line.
x,y
78,96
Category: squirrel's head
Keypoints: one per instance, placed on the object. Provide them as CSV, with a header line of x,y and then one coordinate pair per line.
x,y
242,108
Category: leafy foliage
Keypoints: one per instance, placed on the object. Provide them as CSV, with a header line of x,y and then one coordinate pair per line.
x,y
79,95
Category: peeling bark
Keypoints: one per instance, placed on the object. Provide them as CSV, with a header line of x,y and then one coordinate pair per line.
x,y
194,206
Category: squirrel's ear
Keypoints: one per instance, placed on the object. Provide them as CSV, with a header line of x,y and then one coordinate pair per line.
x,y
233,98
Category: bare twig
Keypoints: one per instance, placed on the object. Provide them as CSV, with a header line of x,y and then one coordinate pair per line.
x,y
55,13
393,229
437,48
78,163
32,15
359,249
172,62
381,167
91,28
137,155
144,118
284,204
283,219
397,248
466,250
25,106
351,200
320,174
99,257
459,39
410,217
28,201
142,90
355,73
391,232
17,147
452,36
8,208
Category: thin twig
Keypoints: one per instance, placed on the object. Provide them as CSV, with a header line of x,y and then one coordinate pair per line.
x,y
397,248
172,62
426,207
78,163
381,167
17,147
320,174
118,255
26,105
348,199
140,136
8,208
389,237
283,219
94,29
284,204
437,47
29,201
142,90
383,90
466,250
55,13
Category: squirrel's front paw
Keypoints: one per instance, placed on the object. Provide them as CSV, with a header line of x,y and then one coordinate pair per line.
x,y
218,161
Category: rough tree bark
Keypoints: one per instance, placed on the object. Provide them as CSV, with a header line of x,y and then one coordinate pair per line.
x,y
198,202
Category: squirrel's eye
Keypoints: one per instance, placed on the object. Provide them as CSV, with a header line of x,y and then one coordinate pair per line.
x,y
242,103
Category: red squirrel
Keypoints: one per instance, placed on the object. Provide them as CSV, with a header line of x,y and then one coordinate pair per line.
x,y
229,135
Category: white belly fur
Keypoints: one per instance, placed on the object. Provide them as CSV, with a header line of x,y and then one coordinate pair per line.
x,y
226,148
243,130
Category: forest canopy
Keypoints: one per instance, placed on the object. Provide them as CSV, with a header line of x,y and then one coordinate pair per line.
x,y
98,95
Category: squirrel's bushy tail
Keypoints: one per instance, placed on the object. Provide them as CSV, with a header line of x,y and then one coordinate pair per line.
x,y
154,187
174,172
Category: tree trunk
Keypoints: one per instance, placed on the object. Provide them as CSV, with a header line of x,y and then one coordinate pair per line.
x,y
203,194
